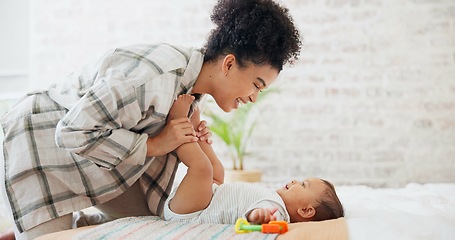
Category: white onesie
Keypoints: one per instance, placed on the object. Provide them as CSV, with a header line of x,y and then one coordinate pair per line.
x,y
231,201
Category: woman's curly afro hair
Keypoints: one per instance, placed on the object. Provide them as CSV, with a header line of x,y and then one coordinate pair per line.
x,y
257,31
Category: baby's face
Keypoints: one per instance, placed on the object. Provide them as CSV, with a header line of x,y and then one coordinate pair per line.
x,y
302,194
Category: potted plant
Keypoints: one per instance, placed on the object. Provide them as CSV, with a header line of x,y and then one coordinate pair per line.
x,y
235,129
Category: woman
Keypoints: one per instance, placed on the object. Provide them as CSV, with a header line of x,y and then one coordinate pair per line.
x,y
102,137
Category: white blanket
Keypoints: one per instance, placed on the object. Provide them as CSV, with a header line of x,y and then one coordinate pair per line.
x,y
415,212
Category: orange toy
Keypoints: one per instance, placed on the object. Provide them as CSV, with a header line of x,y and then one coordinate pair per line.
x,y
243,226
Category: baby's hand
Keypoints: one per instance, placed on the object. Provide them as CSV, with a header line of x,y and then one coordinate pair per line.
x,y
262,215
203,132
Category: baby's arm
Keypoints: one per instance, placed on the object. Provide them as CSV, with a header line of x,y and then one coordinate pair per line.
x,y
266,210
262,215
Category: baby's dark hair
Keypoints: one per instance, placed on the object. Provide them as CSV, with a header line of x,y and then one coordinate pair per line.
x,y
329,206
257,31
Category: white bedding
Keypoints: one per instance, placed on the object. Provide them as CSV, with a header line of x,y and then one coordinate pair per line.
x,y
415,212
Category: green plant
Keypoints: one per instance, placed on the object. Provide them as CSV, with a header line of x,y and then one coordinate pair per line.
x,y
235,128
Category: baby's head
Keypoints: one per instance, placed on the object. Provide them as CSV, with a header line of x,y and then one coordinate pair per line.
x,y
313,199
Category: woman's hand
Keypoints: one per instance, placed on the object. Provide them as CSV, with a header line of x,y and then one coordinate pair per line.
x,y
262,215
203,132
176,132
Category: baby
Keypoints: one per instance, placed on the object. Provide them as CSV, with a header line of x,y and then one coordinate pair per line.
x,y
202,197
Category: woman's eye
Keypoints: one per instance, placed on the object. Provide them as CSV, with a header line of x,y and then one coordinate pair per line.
x,y
257,87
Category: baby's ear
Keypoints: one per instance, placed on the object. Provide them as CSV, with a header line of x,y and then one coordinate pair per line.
x,y
306,213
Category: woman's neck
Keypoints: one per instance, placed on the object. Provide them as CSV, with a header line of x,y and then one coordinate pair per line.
x,y
206,78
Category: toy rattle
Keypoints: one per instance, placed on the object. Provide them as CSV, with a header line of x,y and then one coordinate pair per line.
x,y
243,226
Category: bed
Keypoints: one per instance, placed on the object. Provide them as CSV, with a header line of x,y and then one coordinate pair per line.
x,y
414,212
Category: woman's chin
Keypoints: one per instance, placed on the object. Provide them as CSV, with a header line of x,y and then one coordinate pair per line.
x,y
227,108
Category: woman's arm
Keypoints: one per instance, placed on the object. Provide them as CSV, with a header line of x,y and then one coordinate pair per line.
x,y
175,133
99,126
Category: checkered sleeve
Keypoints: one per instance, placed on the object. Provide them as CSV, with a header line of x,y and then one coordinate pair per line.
x,y
127,101
98,126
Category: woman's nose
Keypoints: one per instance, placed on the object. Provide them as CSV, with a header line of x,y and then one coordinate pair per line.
x,y
253,97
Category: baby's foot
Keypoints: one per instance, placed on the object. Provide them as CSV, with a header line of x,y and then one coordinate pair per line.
x,y
180,107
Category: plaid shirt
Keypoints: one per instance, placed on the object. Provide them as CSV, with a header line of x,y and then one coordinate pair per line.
x,y
84,142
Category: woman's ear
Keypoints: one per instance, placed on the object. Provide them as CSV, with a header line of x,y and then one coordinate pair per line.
x,y
228,62
306,213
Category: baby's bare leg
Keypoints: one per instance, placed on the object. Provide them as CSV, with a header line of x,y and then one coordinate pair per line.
x,y
218,168
195,191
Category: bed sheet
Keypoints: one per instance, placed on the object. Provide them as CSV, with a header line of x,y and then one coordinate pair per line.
x,y
149,227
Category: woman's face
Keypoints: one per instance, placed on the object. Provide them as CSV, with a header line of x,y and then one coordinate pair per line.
x,y
242,85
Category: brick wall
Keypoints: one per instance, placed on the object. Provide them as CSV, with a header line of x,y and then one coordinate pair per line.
x,y
371,101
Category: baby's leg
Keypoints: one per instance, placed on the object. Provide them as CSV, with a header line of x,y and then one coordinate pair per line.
x,y
195,191
218,169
